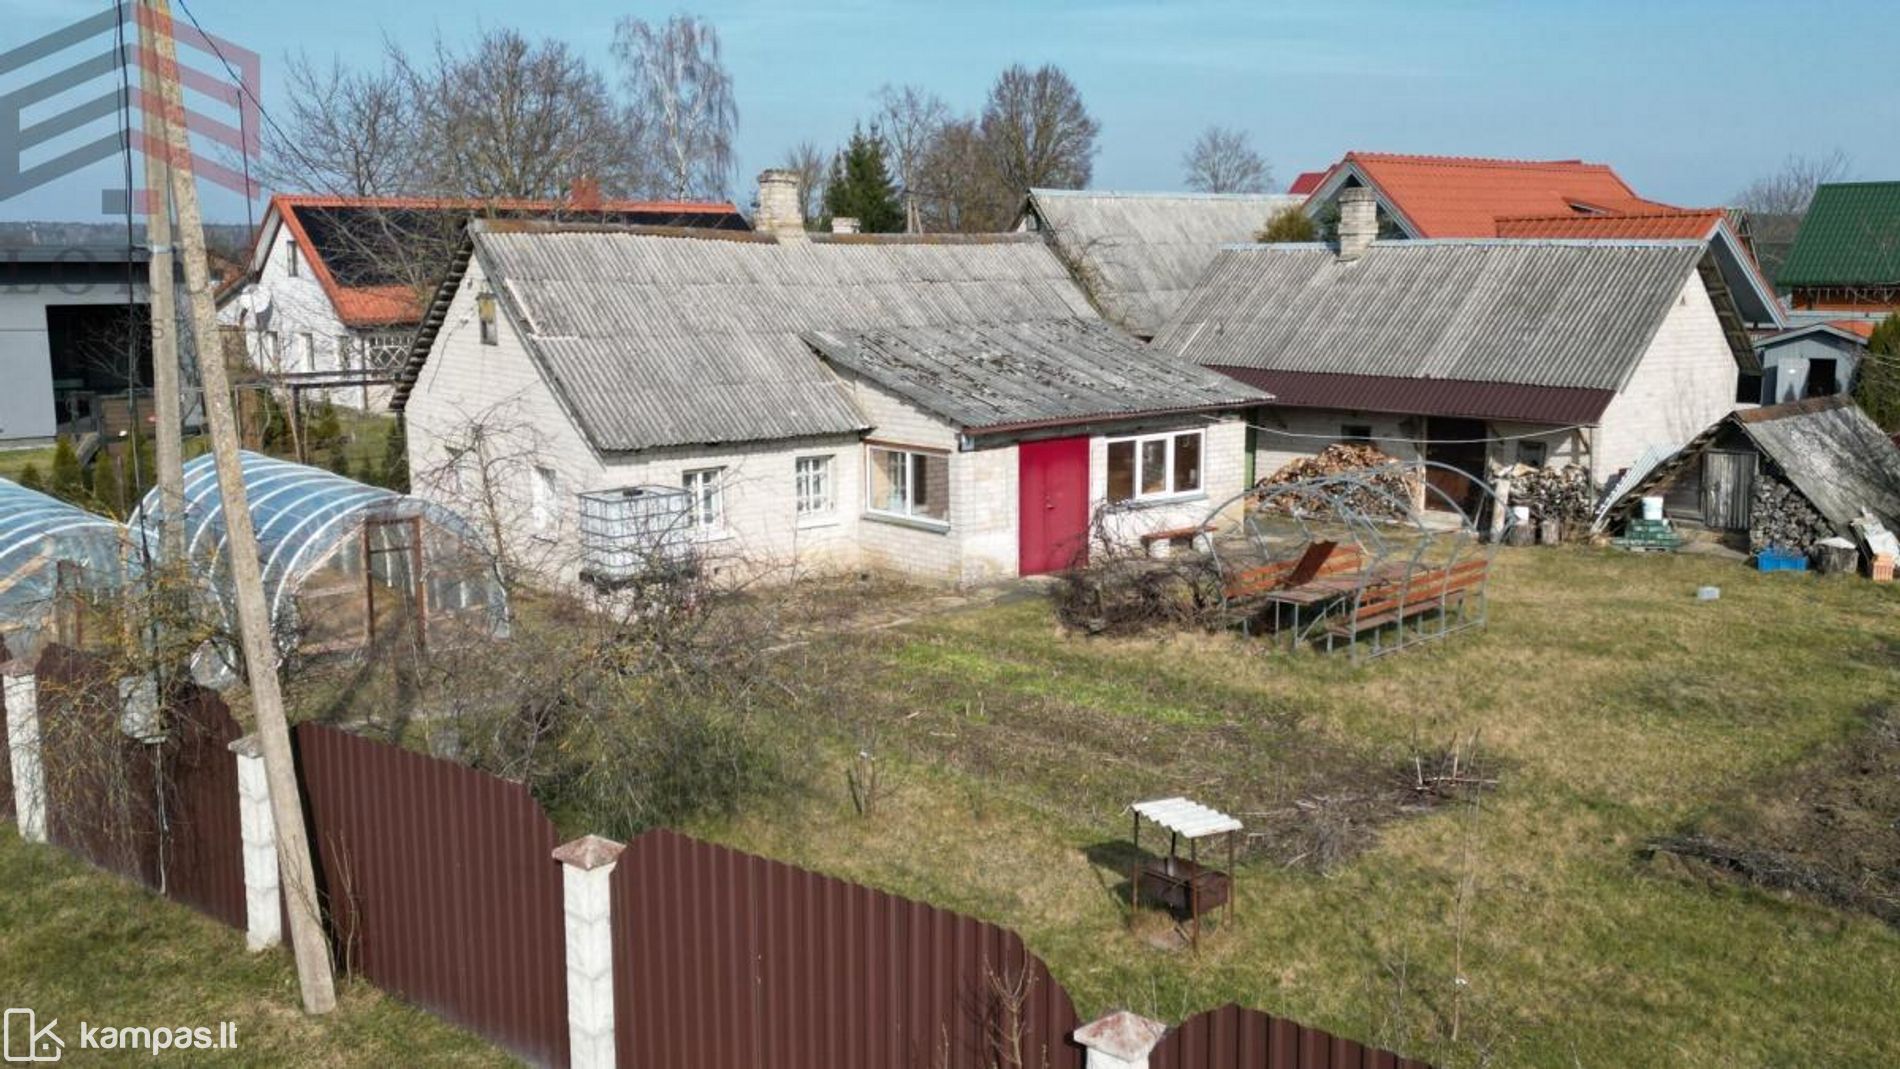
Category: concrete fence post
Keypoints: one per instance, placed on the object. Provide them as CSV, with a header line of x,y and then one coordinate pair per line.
x,y
586,865
1121,1040
263,910
23,750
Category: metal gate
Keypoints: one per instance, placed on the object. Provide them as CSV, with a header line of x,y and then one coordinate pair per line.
x,y
1728,489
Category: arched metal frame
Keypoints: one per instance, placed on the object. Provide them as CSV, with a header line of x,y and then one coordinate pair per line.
x,y
1426,593
303,516
39,532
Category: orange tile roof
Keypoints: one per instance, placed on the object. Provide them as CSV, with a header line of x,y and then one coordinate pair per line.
x,y
376,306
1463,197
1693,224
1861,327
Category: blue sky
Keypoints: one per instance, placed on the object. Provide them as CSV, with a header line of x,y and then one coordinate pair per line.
x,y
1687,99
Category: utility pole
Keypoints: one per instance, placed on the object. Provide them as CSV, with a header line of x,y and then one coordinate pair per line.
x,y
254,624
164,306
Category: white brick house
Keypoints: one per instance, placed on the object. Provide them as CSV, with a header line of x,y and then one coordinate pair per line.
x,y
1471,353
336,286
564,361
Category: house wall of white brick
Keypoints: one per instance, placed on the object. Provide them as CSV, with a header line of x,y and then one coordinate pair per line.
x,y
1684,382
299,307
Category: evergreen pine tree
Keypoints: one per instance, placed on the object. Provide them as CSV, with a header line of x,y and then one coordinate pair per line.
x,y
1877,384
326,438
31,478
107,496
395,467
861,186
69,479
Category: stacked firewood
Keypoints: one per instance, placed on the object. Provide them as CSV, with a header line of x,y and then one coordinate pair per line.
x,y
1394,484
1782,517
1564,494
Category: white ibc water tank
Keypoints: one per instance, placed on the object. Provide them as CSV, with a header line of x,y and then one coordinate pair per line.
x,y
1652,508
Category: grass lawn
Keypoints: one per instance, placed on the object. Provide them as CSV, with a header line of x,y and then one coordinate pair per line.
x,y
1610,705
78,944
15,461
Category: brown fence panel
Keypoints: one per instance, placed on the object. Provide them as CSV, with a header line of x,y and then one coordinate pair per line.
x,y
722,959
438,886
105,790
203,844
1233,1037
101,786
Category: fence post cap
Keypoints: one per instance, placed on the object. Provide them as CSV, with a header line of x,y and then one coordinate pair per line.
x,y
588,852
248,746
1124,1035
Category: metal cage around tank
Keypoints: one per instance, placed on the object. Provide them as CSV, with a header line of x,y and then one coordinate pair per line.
x,y
346,566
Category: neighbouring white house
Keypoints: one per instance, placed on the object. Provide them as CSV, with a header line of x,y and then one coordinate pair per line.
x,y
337,286
947,407
1138,254
1471,353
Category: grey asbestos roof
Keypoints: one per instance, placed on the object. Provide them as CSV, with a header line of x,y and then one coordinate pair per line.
x,y
1140,253
1028,374
1536,313
681,338
1833,454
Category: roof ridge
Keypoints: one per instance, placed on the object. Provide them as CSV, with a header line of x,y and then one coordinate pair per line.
x,y
1477,161
326,200
1159,194
1612,214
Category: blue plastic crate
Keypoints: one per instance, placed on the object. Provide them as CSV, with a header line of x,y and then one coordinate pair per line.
x,y
1776,559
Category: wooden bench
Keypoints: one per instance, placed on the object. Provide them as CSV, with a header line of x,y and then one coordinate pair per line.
x,y
1321,560
1395,600
1161,543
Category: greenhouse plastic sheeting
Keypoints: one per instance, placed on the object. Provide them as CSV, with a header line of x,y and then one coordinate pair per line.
x,y
38,533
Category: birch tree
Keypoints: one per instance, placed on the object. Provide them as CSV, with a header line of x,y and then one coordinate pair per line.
x,y
681,101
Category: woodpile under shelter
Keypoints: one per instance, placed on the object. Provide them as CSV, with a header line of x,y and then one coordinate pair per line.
x,y
53,556
1789,475
348,568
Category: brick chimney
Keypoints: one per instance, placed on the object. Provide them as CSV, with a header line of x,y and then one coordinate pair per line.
x,y
1358,221
844,224
780,213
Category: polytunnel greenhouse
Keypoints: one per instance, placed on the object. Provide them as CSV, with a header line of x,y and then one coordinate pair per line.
x,y
347,567
56,560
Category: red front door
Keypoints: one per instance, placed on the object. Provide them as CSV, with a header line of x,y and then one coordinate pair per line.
x,y
1054,480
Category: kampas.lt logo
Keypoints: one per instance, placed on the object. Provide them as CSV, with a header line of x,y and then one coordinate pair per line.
x,y
28,1041
103,54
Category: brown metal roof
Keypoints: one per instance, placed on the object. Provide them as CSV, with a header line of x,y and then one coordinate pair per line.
x,y
1564,405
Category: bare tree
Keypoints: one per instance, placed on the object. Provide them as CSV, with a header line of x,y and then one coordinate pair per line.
x,y
911,119
1777,202
682,100
1037,130
1222,161
958,190
812,166
513,119
343,131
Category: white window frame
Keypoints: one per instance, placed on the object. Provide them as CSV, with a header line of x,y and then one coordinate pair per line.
x,y
544,497
306,351
815,486
708,508
487,318
1171,491
292,259
910,513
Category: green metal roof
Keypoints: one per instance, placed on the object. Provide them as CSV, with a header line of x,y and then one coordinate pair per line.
x,y
1851,236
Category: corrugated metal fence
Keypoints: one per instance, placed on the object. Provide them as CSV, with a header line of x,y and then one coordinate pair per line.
x,y
438,885
164,814
1234,1037
726,959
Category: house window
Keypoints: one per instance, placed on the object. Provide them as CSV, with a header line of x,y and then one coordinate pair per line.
x,y
1154,465
306,351
485,309
909,483
546,493
709,500
343,351
1533,454
1355,432
811,486
293,258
